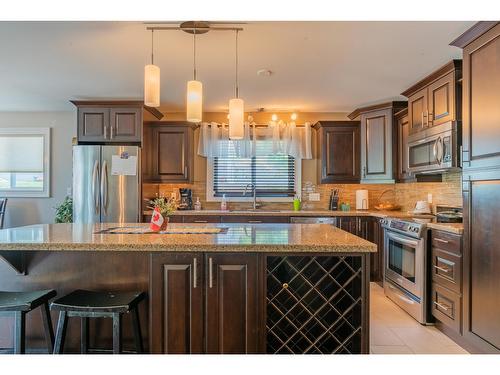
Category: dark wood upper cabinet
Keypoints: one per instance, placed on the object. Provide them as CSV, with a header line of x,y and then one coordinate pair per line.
x,y
104,122
378,141
481,109
168,152
232,320
436,99
417,111
401,156
338,145
92,124
176,303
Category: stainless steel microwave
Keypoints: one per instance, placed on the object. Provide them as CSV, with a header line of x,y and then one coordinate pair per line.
x,y
435,149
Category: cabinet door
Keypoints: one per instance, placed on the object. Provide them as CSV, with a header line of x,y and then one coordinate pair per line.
x,y
348,223
377,261
232,323
482,260
176,303
403,129
125,124
481,98
93,124
441,100
417,111
340,153
376,146
171,155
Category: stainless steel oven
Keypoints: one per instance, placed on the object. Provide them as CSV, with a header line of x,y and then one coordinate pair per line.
x,y
435,149
405,270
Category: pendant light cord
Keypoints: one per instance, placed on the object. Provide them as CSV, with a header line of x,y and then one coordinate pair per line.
x,y
194,54
152,60
236,65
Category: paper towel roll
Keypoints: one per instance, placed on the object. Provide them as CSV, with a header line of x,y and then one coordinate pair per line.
x,y
362,200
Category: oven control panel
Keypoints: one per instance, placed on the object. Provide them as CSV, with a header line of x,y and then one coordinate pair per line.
x,y
403,226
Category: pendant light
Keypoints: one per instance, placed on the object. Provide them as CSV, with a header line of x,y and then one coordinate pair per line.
x,y
194,97
152,81
236,107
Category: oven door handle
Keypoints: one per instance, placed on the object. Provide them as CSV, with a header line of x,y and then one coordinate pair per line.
x,y
405,241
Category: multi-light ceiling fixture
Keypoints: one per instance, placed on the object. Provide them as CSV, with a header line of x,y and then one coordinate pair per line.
x,y
194,95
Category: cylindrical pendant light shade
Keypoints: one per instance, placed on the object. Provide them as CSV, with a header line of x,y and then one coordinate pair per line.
x,y
152,85
236,118
194,101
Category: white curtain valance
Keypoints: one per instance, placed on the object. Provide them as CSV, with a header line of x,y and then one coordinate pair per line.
x,y
286,139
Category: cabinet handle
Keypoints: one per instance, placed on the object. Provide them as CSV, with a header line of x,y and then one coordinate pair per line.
x,y
364,172
195,271
441,240
105,132
185,171
423,123
255,221
210,264
427,117
444,307
111,135
442,269
200,221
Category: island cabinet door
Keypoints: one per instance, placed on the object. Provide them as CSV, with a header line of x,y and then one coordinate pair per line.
x,y
176,303
231,318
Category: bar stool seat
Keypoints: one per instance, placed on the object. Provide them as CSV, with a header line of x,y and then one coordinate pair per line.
x,y
23,302
87,304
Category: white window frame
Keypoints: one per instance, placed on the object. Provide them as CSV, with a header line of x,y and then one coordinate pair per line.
x,y
45,193
249,198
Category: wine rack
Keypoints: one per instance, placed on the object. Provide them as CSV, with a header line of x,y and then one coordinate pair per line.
x,y
314,304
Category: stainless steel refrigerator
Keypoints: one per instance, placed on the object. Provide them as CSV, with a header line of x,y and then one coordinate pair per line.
x,y
103,192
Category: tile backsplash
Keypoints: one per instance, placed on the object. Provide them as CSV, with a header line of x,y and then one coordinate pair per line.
x,y
447,192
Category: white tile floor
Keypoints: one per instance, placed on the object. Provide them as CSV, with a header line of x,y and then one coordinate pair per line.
x,y
393,331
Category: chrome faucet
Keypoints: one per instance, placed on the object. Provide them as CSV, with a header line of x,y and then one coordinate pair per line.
x,y
254,189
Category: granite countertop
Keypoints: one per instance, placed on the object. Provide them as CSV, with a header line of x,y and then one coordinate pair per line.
x,y
456,228
318,213
238,238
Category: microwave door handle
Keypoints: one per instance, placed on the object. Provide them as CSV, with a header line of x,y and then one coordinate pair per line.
x,y
434,150
440,150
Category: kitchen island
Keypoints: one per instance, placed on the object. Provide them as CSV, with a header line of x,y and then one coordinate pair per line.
x,y
219,288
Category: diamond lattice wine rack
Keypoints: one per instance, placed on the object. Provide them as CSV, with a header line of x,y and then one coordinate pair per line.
x,y
314,304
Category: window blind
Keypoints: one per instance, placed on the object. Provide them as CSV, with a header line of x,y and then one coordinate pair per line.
x,y
272,174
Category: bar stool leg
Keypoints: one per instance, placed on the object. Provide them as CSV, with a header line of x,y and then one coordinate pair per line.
x,y
117,333
47,325
137,331
84,343
61,332
20,332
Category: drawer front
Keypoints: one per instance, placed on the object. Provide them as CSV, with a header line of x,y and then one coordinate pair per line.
x,y
447,270
255,219
176,219
447,307
447,241
201,219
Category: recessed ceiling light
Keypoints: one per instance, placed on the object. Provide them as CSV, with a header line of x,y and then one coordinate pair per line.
x,y
264,72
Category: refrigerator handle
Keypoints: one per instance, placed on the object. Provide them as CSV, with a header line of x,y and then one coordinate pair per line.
x,y
95,195
104,186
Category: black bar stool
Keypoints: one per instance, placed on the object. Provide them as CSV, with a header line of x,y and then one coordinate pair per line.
x,y
88,304
21,303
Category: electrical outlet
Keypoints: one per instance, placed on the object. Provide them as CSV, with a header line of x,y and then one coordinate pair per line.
x,y
314,197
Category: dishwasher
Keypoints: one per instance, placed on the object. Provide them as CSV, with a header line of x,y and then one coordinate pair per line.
x,y
313,220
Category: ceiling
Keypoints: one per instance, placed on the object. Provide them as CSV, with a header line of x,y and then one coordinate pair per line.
x,y
317,66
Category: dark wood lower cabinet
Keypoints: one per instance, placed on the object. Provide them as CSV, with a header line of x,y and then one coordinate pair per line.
x,y
204,303
176,303
231,305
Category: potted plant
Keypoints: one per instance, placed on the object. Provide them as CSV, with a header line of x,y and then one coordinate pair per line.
x,y
64,212
163,207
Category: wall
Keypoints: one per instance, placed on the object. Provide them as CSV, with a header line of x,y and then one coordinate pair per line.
x,y
26,211
447,192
